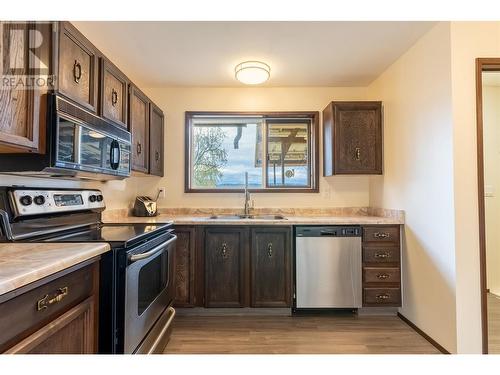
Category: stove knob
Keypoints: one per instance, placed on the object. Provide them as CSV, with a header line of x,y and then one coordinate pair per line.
x,y
99,198
39,200
92,198
25,200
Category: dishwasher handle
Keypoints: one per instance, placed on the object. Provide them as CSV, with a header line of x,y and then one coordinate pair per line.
x,y
328,233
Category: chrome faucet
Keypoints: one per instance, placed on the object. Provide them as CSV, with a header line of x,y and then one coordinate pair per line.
x,y
247,206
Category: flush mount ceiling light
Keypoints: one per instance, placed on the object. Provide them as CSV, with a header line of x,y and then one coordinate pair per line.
x,y
252,72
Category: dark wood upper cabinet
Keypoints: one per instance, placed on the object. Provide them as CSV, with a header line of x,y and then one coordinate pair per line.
x,y
77,63
352,138
113,93
23,112
270,267
139,127
156,141
225,266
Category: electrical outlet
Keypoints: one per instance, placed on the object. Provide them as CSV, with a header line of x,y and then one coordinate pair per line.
x,y
162,192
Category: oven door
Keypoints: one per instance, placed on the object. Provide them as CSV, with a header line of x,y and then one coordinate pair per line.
x,y
148,290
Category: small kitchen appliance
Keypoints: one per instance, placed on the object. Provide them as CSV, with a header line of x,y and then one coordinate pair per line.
x,y
145,206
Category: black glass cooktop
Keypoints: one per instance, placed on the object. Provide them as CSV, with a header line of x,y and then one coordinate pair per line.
x,y
115,234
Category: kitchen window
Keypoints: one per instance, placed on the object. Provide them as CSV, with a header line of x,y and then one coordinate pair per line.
x,y
278,150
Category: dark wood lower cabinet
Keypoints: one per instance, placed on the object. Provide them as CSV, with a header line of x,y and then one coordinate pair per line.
x,y
233,266
381,266
270,267
71,333
56,315
226,253
184,263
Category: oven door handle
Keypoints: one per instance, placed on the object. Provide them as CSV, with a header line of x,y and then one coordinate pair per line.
x,y
150,253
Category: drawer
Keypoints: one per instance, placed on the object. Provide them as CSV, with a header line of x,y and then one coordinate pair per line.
x,y
380,254
77,67
381,275
381,234
382,296
25,313
113,94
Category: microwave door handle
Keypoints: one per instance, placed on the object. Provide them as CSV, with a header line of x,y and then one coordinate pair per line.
x,y
114,156
135,257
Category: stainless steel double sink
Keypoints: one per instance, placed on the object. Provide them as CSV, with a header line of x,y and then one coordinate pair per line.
x,y
247,217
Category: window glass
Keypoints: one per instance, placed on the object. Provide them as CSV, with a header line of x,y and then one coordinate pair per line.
x,y
288,154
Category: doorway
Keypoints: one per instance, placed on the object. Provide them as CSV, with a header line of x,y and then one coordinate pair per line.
x,y
488,149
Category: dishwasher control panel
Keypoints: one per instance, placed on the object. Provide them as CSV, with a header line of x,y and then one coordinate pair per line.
x,y
328,231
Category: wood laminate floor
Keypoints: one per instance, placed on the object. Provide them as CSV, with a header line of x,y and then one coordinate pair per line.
x,y
493,324
295,335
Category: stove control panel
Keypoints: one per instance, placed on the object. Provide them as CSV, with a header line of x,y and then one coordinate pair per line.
x,y
38,201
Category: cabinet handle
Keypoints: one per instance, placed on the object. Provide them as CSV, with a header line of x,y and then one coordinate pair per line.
x,y
114,97
77,71
46,301
157,156
139,148
224,250
380,235
382,255
382,297
357,153
270,249
382,276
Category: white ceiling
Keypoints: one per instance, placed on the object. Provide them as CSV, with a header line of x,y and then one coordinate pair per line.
x,y
299,53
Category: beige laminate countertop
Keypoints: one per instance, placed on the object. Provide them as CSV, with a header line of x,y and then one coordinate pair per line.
x,y
290,220
24,263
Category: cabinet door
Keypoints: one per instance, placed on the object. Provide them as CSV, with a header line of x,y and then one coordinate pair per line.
x,y
358,138
74,332
113,93
225,260
156,139
270,267
184,266
77,67
23,111
139,127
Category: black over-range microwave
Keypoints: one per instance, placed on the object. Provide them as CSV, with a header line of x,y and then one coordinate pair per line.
x,y
79,145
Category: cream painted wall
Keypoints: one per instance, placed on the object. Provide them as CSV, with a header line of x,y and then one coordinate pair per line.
x,y
334,191
491,128
469,40
416,92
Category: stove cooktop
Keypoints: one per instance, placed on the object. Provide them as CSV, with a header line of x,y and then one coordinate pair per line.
x,y
114,234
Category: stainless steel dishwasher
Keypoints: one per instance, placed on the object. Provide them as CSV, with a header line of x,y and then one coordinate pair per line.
x,y
327,267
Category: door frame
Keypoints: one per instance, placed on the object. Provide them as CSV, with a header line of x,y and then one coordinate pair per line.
x,y
482,65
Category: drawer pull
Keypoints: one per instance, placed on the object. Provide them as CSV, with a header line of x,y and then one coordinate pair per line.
x,y
381,235
270,249
46,301
382,255
357,154
382,297
139,148
383,276
114,97
224,250
157,156
77,71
